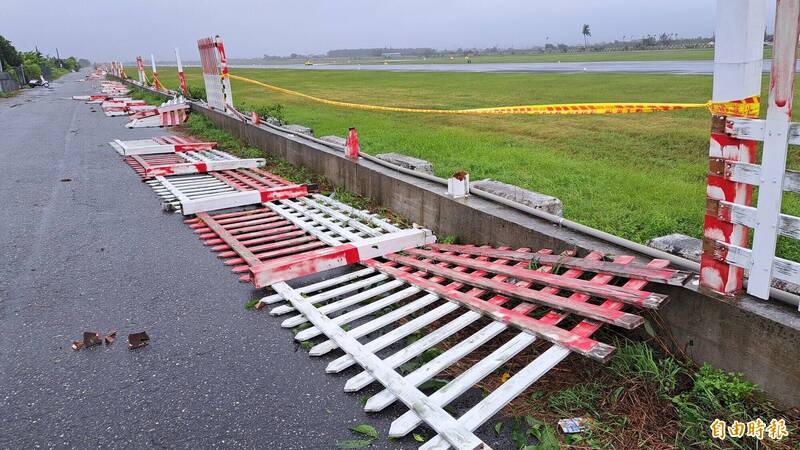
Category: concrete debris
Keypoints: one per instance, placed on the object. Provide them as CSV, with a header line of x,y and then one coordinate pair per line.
x,y
678,244
138,340
338,140
420,165
91,338
299,129
259,305
110,336
77,345
273,121
522,196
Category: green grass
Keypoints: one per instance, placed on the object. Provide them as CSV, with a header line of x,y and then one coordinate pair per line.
x,y
637,176
647,399
57,73
251,304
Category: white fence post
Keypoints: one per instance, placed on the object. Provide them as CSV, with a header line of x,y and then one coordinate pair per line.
x,y
226,81
155,73
181,76
140,68
776,141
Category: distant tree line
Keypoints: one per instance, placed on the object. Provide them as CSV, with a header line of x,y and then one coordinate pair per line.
x,y
657,41
33,64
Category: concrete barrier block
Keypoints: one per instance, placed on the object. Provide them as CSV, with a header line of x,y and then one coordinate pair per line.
x,y
522,196
299,129
338,140
678,244
274,121
420,165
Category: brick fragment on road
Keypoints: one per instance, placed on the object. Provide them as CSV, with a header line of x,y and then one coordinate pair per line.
x,y
110,336
91,338
138,340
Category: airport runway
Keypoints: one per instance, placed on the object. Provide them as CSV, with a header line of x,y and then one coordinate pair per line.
x,y
705,67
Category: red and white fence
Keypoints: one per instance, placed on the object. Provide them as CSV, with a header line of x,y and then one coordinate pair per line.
x,y
446,290
733,171
296,237
163,144
215,73
140,70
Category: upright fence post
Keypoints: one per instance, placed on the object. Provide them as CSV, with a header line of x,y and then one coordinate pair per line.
x,y
776,142
223,63
140,68
155,73
181,76
352,148
738,54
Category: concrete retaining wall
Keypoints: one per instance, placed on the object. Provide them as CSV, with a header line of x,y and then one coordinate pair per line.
x,y
7,84
747,335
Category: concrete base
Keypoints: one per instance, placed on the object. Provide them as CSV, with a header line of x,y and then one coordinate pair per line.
x,y
535,200
274,121
299,129
752,336
679,244
420,165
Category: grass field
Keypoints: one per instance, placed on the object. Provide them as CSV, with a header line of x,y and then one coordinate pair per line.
x,y
636,176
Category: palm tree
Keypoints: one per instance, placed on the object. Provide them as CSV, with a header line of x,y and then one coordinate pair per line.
x,y
586,33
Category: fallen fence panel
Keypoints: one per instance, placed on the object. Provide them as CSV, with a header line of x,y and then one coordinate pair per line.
x,y
165,144
300,236
416,297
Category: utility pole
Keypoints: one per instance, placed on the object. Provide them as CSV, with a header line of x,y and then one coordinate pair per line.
x,y
58,57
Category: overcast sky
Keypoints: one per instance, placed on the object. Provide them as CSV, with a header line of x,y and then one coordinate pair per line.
x,y
102,30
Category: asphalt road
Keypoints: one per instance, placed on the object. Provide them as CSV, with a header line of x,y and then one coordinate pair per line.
x,y
703,67
85,246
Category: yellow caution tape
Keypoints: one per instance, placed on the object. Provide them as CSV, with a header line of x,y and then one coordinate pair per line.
x,y
748,107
